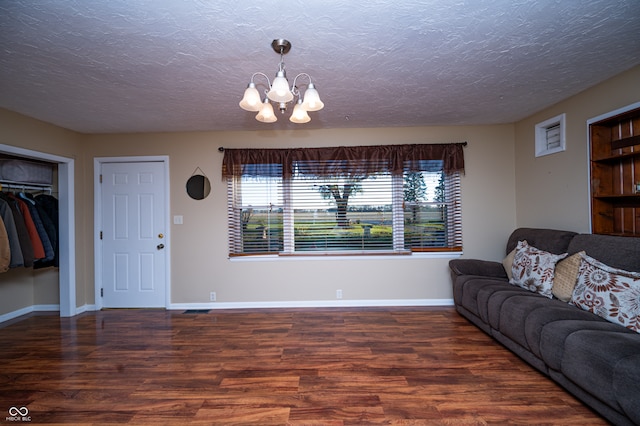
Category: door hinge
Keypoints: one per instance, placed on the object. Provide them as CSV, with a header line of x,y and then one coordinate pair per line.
x,y
102,292
100,178
100,234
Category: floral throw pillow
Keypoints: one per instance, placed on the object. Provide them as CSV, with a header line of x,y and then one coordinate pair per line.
x,y
613,294
533,269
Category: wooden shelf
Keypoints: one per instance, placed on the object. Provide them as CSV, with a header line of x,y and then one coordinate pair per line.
x,y
615,172
625,142
617,157
618,196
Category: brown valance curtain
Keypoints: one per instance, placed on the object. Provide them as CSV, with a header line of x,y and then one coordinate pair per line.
x,y
337,161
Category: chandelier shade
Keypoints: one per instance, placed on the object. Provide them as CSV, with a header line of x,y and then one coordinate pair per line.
x,y
266,114
312,100
280,89
281,94
299,114
251,99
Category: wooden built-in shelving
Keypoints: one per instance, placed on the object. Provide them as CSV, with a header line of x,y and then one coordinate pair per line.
x,y
615,174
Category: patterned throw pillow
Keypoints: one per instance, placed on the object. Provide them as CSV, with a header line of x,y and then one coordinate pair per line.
x,y
533,269
611,293
507,263
566,276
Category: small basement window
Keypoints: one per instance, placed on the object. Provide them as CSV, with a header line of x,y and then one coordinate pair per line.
x,y
550,136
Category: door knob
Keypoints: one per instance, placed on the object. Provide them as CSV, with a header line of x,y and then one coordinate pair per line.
x,y
160,246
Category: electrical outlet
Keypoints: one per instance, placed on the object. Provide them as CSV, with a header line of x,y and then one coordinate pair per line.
x,y
212,296
338,294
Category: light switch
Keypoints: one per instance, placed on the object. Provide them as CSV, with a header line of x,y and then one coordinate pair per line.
x,y
177,220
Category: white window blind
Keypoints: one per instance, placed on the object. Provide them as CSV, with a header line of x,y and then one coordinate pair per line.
x,y
255,215
344,213
434,221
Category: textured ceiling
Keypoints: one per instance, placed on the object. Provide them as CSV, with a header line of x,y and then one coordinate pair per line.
x,y
98,66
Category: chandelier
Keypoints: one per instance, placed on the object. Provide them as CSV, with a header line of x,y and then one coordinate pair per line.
x,y
280,93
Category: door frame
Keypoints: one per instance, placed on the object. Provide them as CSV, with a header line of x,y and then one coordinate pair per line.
x,y
97,220
67,223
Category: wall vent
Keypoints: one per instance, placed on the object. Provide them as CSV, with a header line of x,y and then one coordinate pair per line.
x,y
550,136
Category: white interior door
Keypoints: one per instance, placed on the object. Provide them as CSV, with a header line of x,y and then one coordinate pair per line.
x,y
133,235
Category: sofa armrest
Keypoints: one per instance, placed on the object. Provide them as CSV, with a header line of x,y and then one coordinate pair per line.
x,y
485,268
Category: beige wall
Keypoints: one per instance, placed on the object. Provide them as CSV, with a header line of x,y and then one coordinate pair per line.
x,y
505,186
199,246
553,191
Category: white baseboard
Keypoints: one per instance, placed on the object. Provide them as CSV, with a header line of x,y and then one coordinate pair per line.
x,y
314,304
27,310
42,308
253,305
85,308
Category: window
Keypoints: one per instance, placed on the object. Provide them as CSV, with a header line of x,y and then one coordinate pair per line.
x,y
550,136
345,200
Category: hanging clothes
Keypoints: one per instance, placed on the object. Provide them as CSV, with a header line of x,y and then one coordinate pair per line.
x,y
31,227
16,258
21,229
50,236
49,205
5,249
40,226
38,248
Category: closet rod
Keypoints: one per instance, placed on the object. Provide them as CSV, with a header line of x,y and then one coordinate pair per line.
x,y
17,185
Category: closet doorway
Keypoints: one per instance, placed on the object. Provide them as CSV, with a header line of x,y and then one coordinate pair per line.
x,y
66,197
132,248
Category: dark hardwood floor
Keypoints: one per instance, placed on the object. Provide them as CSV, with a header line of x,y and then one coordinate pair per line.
x,y
398,366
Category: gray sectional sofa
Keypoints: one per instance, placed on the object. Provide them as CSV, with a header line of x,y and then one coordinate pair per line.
x,y
595,360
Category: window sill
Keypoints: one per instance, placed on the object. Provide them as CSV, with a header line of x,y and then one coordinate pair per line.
x,y
348,257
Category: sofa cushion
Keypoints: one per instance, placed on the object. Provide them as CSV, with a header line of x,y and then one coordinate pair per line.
x,y
514,312
611,293
591,360
551,240
565,277
469,291
617,252
484,268
626,385
459,282
533,269
554,335
540,318
490,303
